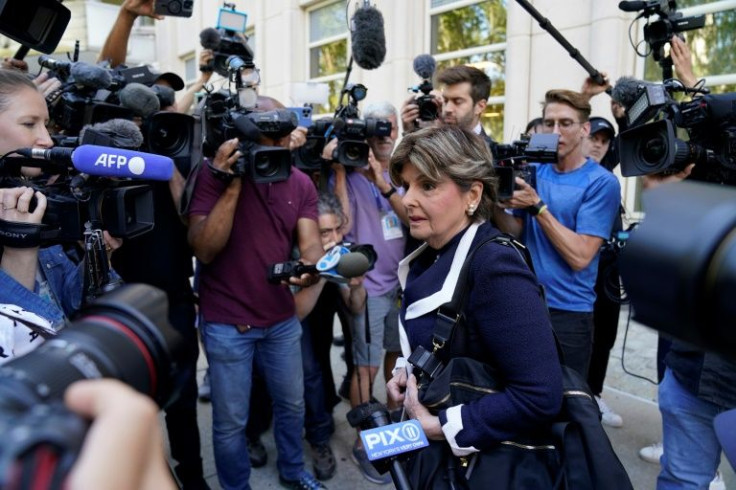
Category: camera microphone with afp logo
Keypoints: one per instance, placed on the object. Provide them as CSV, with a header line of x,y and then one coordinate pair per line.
x,y
103,161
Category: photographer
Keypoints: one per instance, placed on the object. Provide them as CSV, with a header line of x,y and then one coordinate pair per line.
x,y
464,97
43,281
564,222
237,229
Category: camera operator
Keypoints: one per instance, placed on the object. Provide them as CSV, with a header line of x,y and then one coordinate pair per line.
x,y
44,280
564,223
375,216
464,97
237,229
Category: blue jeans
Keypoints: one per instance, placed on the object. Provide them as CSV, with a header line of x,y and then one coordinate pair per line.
x,y
691,450
230,357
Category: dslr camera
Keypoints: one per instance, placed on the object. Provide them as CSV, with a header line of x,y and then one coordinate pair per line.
x,y
350,130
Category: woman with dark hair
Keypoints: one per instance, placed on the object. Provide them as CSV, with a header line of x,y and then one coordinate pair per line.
x,y
450,194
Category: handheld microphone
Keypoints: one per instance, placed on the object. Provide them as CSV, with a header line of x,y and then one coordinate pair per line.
x,y
368,38
102,161
90,76
140,99
424,66
338,265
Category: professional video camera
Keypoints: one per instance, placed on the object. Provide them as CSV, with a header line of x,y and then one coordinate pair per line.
x,y
227,40
94,183
350,131
123,335
513,160
660,32
225,116
424,66
710,121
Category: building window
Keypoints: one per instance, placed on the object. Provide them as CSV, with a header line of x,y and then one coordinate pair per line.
x,y
473,32
328,49
191,69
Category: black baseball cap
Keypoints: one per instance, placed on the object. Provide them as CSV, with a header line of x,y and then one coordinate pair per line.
x,y
598,124
172,79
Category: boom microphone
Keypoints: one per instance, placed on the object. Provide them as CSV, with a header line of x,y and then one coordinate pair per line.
x,y
90,76
140,99
102,161
424,66
626,90
368,38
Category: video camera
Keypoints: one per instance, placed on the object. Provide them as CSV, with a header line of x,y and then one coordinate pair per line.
x,y
710,121
123,335
424,66
513,160
226,40
350,131
223,118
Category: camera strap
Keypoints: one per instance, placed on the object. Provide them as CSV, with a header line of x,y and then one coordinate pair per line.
x,y
226,177
20,235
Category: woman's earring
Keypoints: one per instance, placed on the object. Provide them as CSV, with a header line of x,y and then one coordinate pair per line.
x,y
471,210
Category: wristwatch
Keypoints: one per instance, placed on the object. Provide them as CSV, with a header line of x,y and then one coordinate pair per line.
x,y
388,193
536,209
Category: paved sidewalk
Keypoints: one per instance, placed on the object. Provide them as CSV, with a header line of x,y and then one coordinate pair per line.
x,y
632,397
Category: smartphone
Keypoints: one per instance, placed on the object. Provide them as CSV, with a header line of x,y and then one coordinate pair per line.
x,y
304,114
173,8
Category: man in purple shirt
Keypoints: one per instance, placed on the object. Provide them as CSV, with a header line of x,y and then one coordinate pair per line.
x,y
237,228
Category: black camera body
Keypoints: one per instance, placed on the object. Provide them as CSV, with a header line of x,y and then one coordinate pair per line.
x,y
428,110
513,160
710,122
222,120
174,8
124,335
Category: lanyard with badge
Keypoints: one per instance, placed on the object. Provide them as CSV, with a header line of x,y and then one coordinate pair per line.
x,y
390,223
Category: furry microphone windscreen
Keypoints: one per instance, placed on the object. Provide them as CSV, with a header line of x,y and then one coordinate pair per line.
x,y
424,66
140,99
90,75
368,38
122,133
209,38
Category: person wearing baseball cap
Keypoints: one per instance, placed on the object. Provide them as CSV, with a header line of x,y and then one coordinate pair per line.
x,y
599,140
169,79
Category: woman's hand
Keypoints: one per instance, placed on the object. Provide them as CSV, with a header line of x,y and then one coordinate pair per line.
x,y
415,410
396,386
15,205
124,445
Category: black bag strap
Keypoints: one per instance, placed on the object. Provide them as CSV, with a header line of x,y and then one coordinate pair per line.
x,y
449,313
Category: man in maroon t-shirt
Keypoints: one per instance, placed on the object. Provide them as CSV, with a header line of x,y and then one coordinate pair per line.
x,y
237,229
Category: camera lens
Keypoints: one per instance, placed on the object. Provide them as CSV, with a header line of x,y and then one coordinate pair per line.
x,y
124,335
265,166
654,150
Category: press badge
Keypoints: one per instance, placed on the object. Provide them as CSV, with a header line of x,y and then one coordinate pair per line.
x,y
391,226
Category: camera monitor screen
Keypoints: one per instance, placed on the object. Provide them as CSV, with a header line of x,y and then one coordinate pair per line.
x,y
232,20
37,24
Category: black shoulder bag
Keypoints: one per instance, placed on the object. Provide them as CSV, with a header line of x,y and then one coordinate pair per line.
x,y
575,453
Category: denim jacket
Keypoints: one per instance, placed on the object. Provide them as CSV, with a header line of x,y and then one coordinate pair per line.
x,y
65,281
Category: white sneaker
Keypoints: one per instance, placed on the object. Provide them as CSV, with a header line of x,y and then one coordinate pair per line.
x,y
717,483
651,454
608,416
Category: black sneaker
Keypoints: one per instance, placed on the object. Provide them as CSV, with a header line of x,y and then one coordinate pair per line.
x,y
257,453
305,482
324,461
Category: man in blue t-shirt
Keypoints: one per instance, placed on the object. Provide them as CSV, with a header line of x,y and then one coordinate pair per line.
x,y
564,222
